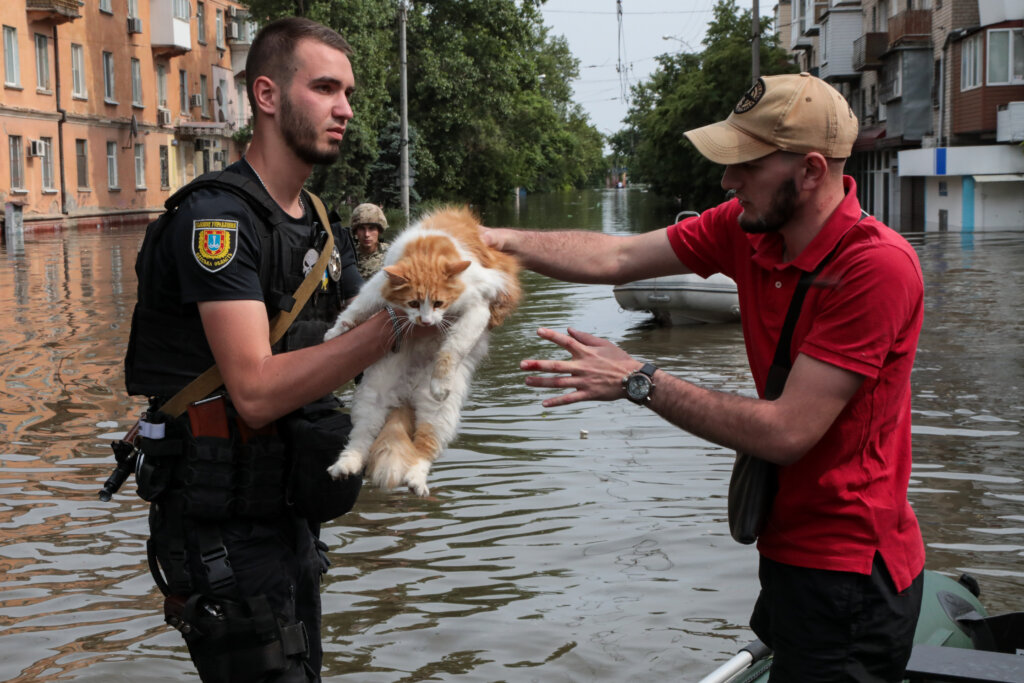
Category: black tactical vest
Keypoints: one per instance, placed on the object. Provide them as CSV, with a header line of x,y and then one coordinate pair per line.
x,y
166,346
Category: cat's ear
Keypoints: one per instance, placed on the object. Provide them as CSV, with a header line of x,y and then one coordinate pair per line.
x,y
395,276
456,267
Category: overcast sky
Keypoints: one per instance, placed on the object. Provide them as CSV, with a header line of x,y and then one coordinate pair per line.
x,y
592,29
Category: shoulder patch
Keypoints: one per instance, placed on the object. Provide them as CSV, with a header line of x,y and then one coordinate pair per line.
x,y
214,242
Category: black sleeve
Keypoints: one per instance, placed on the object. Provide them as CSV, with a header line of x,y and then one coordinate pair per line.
x,y
217,248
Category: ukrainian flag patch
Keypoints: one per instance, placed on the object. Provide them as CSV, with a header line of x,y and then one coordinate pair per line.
x,y
214,243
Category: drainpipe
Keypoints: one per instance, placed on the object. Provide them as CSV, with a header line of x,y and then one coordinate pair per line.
x,y
60,124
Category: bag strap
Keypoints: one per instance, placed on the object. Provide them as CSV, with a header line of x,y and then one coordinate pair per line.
x,y
211,379
781,365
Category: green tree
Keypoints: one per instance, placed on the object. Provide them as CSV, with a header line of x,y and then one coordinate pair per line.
x,y
489,99
692,90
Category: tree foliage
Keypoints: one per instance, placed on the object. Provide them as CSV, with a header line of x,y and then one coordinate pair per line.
x,y
688,91
490,104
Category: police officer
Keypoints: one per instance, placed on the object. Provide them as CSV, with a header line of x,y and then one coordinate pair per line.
x,y
237,559
368,225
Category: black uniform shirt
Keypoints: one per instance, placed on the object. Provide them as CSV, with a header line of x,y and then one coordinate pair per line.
x,y
217,246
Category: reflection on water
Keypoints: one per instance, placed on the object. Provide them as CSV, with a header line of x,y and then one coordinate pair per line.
x,y
541,555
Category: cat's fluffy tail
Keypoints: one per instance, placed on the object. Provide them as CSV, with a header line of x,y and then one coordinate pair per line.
x,y
394,458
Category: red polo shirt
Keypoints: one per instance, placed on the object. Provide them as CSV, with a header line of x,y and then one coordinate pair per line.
x,y
846,499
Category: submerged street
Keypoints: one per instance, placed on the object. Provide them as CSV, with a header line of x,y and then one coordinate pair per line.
x,y
584,543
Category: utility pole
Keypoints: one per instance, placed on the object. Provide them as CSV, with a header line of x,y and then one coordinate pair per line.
x,y
755,46
404,144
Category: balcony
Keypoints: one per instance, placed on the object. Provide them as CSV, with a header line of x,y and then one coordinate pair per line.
x,y
868,50
170,35
911,26
53,11
820,10
811,25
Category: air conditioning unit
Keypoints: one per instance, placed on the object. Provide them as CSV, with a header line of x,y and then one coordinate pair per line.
x,y
36,148
1010,122
134,25
163,117
232,31
195,101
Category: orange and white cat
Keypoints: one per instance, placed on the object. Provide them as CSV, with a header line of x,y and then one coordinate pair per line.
x,y
437,273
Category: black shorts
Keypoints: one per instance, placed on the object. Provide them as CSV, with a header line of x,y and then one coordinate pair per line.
x,y
835,626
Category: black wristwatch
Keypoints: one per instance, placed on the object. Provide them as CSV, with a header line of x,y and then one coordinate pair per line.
x,y
639,384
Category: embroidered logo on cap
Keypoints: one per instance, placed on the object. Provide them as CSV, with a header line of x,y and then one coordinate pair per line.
x,y
214,243
751,97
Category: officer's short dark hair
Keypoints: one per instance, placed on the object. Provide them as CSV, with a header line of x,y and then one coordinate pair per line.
x,y
272,53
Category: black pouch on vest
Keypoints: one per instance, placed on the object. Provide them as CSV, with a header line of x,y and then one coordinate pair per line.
x,y
315,435
261,466
208,478
154,470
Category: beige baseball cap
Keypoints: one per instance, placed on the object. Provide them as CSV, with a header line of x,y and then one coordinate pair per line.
x,y
791,112
368,214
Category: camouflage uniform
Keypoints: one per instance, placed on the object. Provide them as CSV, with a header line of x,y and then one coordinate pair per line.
x,y
368,265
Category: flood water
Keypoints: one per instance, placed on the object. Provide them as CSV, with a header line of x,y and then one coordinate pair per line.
x,y
541,555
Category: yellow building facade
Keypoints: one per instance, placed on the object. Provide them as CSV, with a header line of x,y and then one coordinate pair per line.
x,y
108,106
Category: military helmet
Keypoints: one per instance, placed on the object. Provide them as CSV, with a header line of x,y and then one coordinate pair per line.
x,y
369,214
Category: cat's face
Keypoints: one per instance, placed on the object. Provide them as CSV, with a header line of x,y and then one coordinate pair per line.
x,y
425,282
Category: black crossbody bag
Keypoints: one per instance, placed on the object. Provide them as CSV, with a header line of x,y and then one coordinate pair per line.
x,y
754,481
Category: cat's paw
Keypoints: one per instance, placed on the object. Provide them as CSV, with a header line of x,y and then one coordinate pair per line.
x,y
439,389
340,328
347,464
419,488
416,479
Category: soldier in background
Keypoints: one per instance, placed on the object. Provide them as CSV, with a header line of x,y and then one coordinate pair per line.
x,y
368,224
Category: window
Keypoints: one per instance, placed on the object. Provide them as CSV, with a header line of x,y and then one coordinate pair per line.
x,y
105,6
183,90
970,62
181,9
42,62
82,161
1005,56
78,72
204,107
112,165
108,78
165,168
201,22
140,167
12,74
220,29
133,8
17,155
46,167
161,85
136,83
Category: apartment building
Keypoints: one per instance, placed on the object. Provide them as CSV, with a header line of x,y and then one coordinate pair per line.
x,y
108,106
938,87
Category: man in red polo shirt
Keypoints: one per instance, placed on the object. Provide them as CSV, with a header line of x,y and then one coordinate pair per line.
x,y
841,554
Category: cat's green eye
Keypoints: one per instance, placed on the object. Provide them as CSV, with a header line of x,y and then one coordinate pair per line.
x,y
438,304
412,304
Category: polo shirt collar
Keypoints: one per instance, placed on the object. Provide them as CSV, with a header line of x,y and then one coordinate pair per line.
x,y
768,247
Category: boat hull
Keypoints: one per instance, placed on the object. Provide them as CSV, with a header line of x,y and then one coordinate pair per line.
x,y
682,299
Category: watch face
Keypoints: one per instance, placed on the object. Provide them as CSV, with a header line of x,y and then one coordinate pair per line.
x,y
638,386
